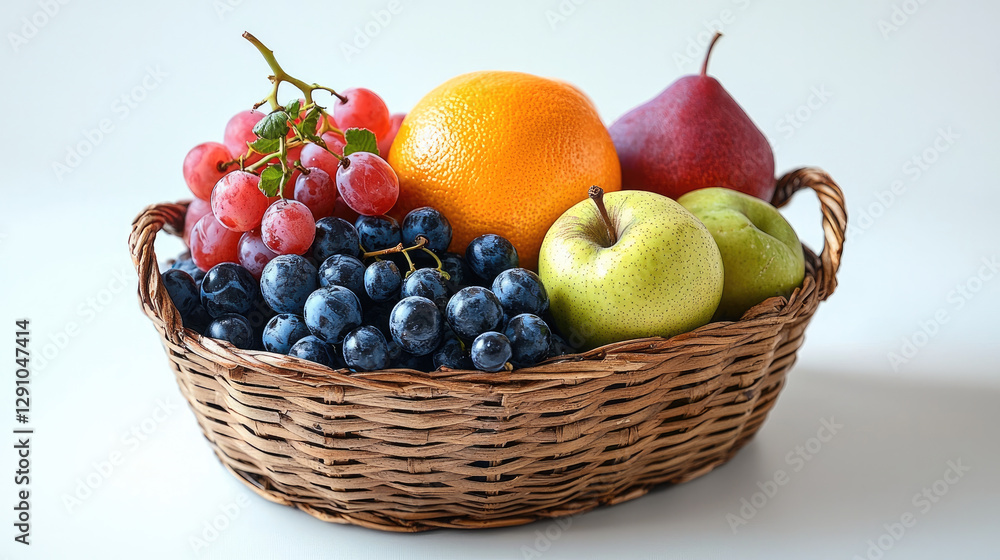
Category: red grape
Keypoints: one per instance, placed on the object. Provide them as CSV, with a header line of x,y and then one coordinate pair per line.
x,y
288,227
212,243
364,109
201,168
315,156
367,184
238,202
195,211
239,131
317,191
385,142
342,210
253,254
334,142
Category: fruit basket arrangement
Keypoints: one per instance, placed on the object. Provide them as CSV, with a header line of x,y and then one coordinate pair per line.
x,y
356,423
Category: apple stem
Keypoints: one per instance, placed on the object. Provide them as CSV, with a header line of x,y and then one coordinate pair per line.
x,y
597,195
704,65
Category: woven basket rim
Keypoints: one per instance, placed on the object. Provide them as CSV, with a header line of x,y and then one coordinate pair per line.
x,y
819,282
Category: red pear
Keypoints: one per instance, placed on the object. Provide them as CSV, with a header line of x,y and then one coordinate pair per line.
x,y
693,135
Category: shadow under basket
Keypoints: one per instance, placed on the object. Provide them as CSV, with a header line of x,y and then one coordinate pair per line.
x,y
402,450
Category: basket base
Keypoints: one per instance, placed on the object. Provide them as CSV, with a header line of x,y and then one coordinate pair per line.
x,y
262,487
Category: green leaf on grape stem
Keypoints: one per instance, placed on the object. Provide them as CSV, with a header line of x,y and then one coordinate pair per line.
x,y
265,145
307,128
271,180
293,109
273,126
360,140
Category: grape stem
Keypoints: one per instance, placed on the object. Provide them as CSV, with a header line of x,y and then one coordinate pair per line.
x,y
397,249
280,76
421,244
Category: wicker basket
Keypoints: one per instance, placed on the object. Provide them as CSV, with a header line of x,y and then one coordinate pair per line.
x,y
402,450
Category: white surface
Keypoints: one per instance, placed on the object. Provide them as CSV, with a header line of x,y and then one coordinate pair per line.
x,y
63,249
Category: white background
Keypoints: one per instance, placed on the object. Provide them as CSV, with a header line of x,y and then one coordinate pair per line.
x,y
890,93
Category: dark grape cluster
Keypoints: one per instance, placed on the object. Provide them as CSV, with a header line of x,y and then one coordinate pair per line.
x,y
341,306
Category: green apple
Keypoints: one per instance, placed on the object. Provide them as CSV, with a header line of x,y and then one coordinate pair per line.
x,y
626,265
760,251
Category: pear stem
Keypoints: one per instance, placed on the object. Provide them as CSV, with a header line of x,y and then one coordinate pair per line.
x,y
704,65
597,195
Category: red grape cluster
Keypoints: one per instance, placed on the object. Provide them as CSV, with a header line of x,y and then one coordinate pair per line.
x,y
261,191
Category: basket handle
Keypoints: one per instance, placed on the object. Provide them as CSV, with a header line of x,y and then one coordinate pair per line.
x,y
152,294
831,200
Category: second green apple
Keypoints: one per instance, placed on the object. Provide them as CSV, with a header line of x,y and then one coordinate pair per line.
x,y
761,255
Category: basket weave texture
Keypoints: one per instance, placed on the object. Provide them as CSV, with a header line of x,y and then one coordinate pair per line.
x,y
402,450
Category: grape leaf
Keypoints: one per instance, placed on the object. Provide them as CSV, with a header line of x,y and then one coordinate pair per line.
x,y
360,140
273,126
307,128
271,180
293,109
265,145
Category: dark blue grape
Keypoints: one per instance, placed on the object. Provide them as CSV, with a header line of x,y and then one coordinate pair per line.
x,y
182,291
521,291
382,281
286,283
409,361
335,236
228,288
428,283
365,349
490,351
260,313
187,265
489,255
343,270
473,311
377,315
452,355
457,269
530,338
395,350
313,349
415,324
429,223
282,331
378,232
199,320
232,328
559,347
332,312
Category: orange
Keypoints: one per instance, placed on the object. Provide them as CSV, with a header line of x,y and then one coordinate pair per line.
x,y
504,153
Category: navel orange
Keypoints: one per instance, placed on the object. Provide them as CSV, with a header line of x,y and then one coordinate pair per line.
x,y
504,153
